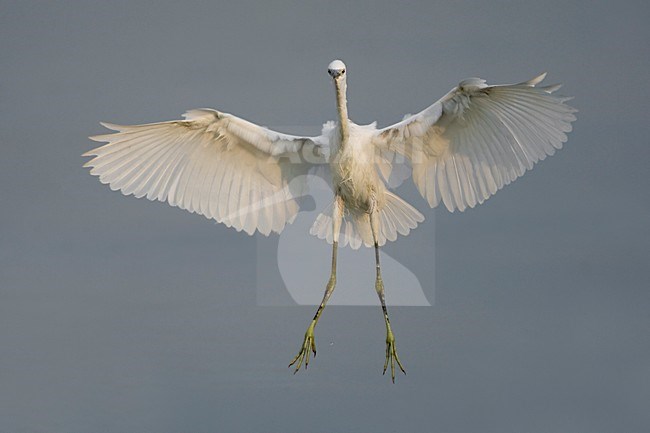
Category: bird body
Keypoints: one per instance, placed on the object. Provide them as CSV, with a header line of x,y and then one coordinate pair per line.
x,y
461,150
354,173
356,176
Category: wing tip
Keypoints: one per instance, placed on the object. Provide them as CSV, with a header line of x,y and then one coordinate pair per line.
x,y
552,88
98,138
112,126
535,80
103,137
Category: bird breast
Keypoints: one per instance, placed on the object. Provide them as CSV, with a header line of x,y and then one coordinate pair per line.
x,y
354,172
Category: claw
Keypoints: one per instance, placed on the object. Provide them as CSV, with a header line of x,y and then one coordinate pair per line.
x,y
391,355
308,346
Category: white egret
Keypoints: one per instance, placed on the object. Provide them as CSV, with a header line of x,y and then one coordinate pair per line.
x,y
462,149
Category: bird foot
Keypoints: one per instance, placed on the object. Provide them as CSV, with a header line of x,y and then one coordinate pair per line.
x,y
391,354
308,346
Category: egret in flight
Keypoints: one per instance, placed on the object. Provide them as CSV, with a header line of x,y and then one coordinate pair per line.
x,y
461,150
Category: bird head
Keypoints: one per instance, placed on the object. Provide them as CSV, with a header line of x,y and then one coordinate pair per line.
x,y
336,69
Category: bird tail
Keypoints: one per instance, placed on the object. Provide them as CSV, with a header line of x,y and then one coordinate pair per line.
x,y
396,217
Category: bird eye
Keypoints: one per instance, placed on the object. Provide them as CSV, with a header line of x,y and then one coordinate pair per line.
x,y
343,71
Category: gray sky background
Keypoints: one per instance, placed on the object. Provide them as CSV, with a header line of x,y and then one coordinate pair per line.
x,y
123,315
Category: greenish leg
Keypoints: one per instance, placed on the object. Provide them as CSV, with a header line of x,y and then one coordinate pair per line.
x,y
391,351
309,344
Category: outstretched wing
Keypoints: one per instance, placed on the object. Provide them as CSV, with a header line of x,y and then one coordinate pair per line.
x,y
478,138
212,163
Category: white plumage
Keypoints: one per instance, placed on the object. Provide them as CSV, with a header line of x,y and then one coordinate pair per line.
x,y
211,163
462,149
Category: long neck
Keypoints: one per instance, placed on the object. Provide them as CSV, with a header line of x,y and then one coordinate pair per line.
x,y
342,108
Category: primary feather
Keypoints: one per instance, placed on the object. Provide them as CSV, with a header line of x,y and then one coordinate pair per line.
x,y
211,163
478,138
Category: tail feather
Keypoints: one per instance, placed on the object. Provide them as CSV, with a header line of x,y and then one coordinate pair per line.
x,y
396,217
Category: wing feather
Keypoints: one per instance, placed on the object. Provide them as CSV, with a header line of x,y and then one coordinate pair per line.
x,y
478,138
211,163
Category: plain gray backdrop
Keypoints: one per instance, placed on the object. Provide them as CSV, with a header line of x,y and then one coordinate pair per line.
x,y
124,315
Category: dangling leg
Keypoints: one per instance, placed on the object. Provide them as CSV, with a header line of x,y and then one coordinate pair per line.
x,y
391,351
308,343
